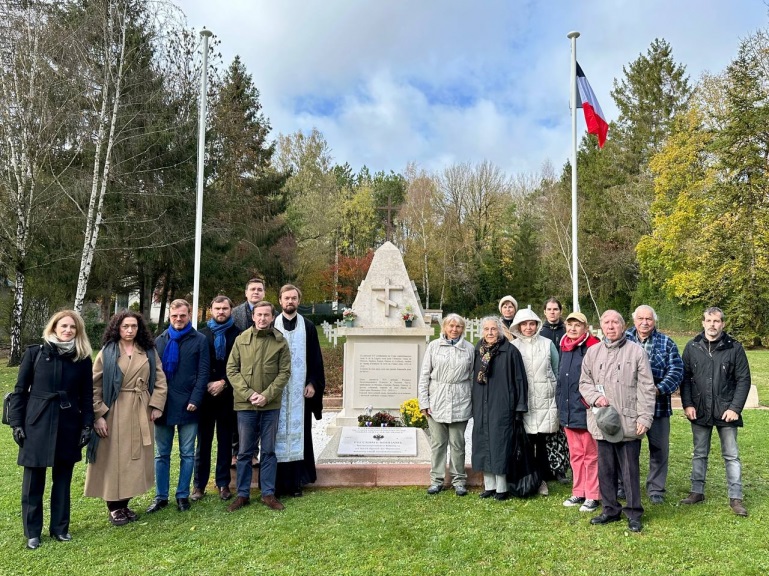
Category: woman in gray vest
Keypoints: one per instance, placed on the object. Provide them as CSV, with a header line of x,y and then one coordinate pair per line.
x,y
129,394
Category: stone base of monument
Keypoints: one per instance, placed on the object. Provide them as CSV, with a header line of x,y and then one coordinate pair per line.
x,y
368,457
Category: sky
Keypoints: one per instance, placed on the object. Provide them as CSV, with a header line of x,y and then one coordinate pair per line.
x,y
442,82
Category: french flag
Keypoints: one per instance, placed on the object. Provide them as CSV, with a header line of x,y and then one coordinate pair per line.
x,y
594,118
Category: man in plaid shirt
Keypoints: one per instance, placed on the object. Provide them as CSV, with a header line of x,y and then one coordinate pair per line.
x,y
668,372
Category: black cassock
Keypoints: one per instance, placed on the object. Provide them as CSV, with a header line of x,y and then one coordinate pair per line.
x,y
291,476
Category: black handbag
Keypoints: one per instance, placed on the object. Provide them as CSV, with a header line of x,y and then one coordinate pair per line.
x,y
9,395
7,407
523,478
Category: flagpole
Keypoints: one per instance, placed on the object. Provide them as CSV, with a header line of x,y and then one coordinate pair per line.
x,y
205,34
573,101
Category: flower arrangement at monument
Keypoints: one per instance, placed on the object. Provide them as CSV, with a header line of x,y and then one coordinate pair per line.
x,y
411,416
349,314
380,419
408,313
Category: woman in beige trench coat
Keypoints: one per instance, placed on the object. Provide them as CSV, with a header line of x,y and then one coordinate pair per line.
x,y
129,395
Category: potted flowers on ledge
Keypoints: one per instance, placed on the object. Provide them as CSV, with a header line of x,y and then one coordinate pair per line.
x,y
379,420
349,316
408,315
411,415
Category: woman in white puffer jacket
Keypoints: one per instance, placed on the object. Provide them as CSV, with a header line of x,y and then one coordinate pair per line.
x,y
540,358
444,394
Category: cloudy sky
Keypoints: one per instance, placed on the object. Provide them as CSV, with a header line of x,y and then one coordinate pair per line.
x,y
438,82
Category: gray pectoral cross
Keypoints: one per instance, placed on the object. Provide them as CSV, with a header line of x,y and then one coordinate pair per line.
x,y
386,298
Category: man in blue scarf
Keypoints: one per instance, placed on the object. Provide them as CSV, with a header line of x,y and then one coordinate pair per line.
x,y
216,410
184,354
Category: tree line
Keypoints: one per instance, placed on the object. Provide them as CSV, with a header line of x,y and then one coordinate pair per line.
x,y
98,121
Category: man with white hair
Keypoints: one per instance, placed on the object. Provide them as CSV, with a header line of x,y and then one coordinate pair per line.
x,y
617,384
668,371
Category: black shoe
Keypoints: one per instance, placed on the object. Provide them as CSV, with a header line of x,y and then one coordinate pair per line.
x,y
605,519
460,490
435,488
621,493
487,493
157,505
33,543
634,525
183,504
501,496
66,537
297,493
657,499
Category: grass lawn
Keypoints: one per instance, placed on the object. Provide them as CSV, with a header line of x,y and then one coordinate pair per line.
x,y
405,531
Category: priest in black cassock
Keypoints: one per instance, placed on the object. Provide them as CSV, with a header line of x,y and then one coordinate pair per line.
x,y
302,397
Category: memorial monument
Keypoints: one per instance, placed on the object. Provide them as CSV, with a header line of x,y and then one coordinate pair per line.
x,y
382,357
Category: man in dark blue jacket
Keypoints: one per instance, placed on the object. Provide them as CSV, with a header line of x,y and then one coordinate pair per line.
x,y
184,354
713,393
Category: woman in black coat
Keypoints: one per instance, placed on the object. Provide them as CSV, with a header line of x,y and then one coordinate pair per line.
x,y
51,414
499,396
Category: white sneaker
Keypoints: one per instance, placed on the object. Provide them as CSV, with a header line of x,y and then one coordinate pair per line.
x,y
543,491
590,506
573,501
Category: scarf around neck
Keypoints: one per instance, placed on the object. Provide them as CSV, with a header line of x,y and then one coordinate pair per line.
x,y
63,348
487,353
171,352
220,341
567,344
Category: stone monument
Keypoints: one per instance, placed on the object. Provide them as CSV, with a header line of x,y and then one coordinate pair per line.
x,y
382,357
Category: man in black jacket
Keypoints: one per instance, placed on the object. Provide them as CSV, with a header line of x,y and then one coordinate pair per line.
x,y
713,393
553,327
216,411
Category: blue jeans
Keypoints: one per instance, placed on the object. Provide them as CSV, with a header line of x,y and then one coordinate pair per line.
x,y
164,439
728,435
251,425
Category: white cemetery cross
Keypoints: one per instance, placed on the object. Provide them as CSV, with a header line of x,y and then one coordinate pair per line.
x,y
382,357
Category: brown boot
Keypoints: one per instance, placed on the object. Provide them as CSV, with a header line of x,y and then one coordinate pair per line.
x,y
238,503
737,507
272,502
197,494
693,498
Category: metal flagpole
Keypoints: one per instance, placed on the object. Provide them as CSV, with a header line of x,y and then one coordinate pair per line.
x,y
205,34
574,101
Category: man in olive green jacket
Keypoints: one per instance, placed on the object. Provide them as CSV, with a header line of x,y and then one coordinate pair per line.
x,y
258,368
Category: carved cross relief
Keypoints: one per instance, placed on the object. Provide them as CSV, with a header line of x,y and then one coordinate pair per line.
x,y
385,299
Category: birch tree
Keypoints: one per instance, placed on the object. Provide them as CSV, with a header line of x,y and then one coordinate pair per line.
x,y
113,16
34,109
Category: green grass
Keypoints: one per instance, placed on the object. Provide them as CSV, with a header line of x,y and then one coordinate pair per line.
x,y
405,531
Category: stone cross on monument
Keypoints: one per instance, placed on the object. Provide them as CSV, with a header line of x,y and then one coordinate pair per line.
x,y
386,298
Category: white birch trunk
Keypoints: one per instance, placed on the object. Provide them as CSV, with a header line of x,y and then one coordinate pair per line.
x,y
23,156
101,176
